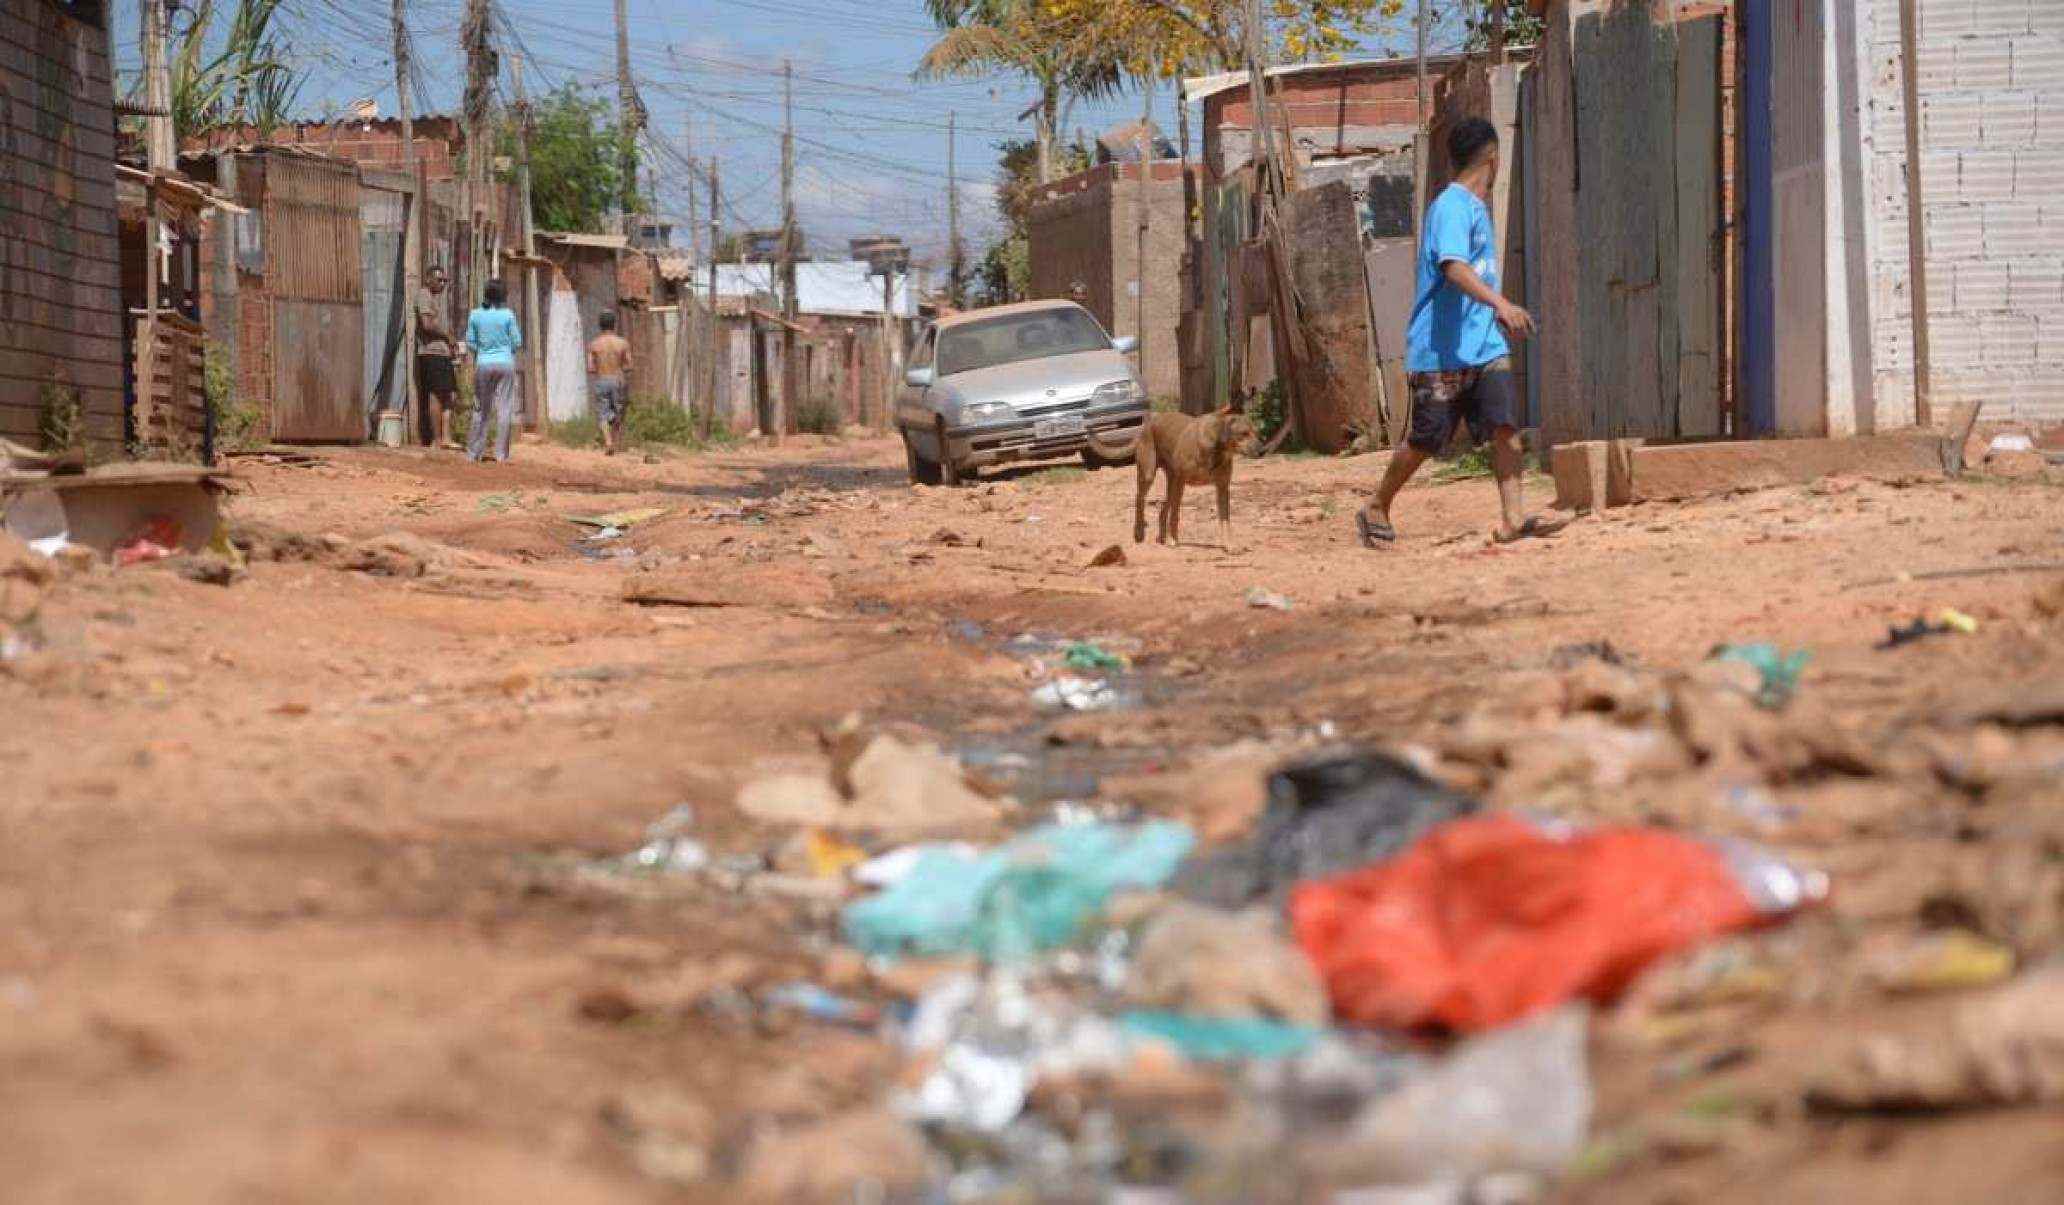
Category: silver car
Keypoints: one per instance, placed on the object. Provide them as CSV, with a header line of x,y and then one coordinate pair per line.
x,y
1034,381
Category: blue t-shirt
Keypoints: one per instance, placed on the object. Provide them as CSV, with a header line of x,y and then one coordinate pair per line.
x,y
1450,329
494,337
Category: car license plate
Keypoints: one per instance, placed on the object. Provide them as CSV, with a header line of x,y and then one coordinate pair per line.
x,y
1054,428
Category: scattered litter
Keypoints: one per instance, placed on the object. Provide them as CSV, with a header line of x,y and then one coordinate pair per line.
x,y
1780,672
37,518
1490,919
1518,1100
993,1040
668,847
2003,1047
1077,694
893,867
1212,963
1221,1039
814,1002
157,540
831,856
1112,556
1945,961
1267,600
607,533
1325,815
618,520
1091,657
1033,893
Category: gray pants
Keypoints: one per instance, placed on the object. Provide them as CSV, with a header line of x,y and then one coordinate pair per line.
x,y
494,400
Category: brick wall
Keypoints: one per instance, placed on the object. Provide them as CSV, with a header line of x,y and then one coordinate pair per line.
x,y
1086,228
440,142
1992,179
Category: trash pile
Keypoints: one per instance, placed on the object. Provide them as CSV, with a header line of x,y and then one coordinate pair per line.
x,y
1384,984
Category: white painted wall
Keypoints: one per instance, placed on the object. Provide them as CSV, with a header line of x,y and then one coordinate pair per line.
x,y
1992,181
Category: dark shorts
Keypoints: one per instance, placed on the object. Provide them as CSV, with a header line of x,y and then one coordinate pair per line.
x,y
609,400
1443,401
435,375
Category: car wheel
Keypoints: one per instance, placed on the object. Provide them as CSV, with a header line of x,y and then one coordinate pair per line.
x,y
949,471
922,471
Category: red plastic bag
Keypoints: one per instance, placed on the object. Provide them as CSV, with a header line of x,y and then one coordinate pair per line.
x,y
157,539
1489,919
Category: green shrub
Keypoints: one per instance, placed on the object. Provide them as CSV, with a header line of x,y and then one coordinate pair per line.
x,y
239,423
1268,409
818,416
658,421
581,431
62,423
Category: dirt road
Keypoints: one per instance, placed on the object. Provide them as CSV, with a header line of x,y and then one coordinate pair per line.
x,y
289,902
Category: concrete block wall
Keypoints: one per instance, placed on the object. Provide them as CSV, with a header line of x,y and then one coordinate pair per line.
x,y
1991,82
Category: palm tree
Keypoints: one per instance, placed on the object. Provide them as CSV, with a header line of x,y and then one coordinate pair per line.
x,y
1022,37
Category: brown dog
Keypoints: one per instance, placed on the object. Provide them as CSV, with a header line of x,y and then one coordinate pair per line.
x,y
1189,450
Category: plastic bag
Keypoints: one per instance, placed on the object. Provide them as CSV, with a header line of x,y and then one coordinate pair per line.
x,y
1031,894
1487,920
1221,1039
1325,815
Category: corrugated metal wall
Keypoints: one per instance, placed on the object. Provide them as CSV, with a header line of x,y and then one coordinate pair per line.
x,y
315,275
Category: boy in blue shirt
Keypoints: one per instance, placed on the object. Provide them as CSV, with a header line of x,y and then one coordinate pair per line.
x,y
1456,355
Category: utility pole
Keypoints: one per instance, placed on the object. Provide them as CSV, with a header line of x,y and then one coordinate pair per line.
x,y
694,210
1146,174
535,408
477,38
412,243
709,406
1420,143
630,117
161,148
956,266
787,405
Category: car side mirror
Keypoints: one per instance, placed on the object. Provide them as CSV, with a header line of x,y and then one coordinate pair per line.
x,y
1125,343
920,378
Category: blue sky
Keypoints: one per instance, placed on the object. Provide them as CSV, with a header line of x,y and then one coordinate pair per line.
x,y
871,143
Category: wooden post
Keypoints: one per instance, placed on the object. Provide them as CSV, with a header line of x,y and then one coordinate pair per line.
x,y
629,118
789,380
1420,142
955,267
715,329
412,242
1916,232
1139,277
533,338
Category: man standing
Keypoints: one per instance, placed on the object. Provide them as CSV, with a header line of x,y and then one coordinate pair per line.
x,y
437,383
609,363
1456,356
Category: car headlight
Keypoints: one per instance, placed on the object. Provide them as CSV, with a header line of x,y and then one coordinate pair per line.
x,y
985,412
1117,392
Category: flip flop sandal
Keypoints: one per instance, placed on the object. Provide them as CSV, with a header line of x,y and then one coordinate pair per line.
x,y
1375,533
1535,528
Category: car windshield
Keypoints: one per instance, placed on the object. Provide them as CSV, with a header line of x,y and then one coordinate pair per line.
x,y
987,342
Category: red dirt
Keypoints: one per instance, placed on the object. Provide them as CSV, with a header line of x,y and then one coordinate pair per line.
x,y
283,906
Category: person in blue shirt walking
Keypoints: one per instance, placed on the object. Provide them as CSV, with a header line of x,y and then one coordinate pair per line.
x,y
1456,354
492,333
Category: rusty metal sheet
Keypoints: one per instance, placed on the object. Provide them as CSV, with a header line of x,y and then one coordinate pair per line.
x,y
312,229
318,369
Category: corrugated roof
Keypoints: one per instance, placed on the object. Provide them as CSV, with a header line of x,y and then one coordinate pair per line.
x,y
611,242
1204,87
